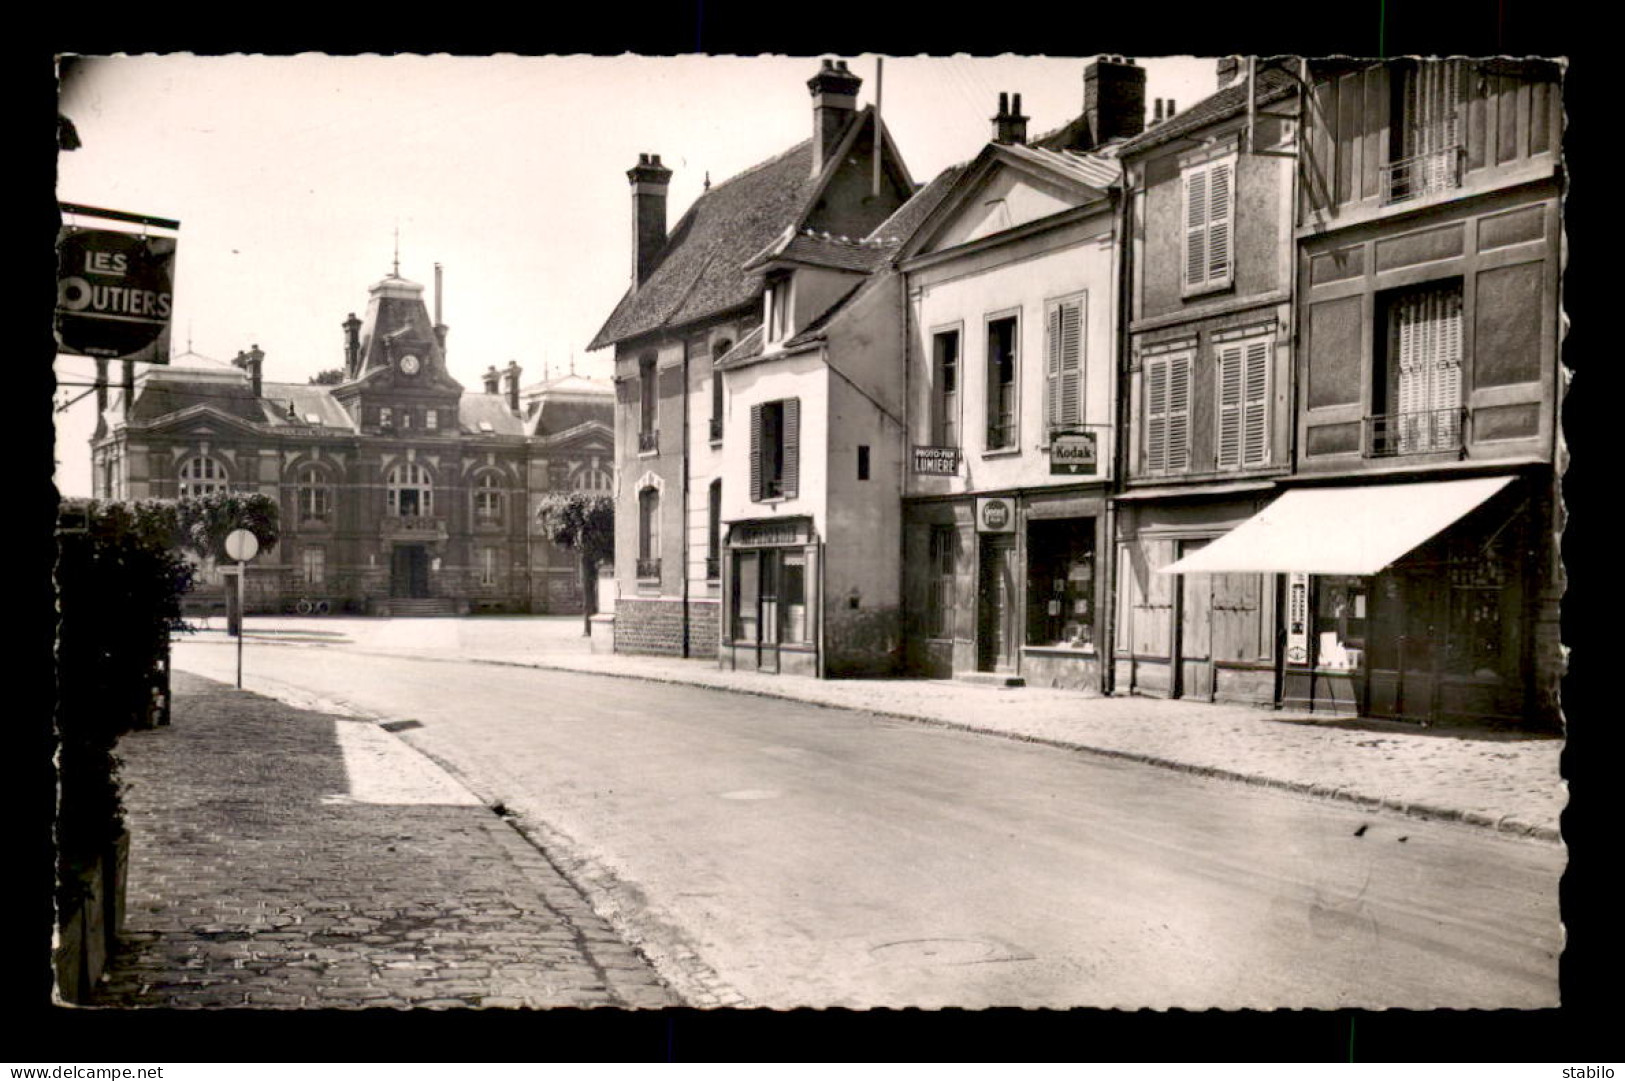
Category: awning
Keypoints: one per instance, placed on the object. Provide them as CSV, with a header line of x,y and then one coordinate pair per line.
x,y
1340,530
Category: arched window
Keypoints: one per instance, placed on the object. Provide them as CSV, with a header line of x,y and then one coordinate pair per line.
x,y
593,478
411,490
314,494
488,497
648,533
201,476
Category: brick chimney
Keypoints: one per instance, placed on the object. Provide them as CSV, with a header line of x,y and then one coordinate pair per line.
x,y
492,378
1229,67
440,327
835,98
253,363
1113,99
1009,126
352,345
511,380
649,180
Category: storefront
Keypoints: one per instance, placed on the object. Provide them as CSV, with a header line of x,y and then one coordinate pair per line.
x,y
1403,601
770,595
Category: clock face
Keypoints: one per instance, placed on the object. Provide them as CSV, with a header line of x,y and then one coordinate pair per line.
x,y
409,364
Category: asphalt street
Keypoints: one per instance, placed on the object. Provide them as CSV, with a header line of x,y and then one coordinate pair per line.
x,y
772,853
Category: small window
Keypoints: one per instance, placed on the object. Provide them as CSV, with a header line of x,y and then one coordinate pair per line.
x,y
406,419
775,453
1243,405
313,418
863,462
485,426
1167,383
313,566
1001,383
488,566
945,389
314,497
488,498
431,419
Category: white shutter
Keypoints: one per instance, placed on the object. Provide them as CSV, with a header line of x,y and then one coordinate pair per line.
x,y
1064,350
1230,405
1052,369
1221,209
1179,412
1156,415
1196,208
1255,408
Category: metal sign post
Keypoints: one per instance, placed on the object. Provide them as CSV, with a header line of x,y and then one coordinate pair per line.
x,y
242,546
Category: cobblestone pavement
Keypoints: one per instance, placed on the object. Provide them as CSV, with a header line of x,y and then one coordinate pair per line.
x,y
282,857
1501,780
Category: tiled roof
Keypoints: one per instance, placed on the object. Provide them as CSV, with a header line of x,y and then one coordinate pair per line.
x,y
1274,83
823,250
492,409
908,217
171,392
557,416
1091,169
701,272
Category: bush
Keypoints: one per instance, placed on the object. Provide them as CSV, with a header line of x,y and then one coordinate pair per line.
x,y
120,575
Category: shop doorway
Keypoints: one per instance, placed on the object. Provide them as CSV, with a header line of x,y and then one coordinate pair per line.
x,y
409,571
996,630
770,608
1406,644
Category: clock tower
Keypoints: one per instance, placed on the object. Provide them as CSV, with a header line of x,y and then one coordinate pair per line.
x,y
395,365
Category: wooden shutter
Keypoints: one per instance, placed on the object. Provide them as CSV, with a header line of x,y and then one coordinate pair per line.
x,y
1196,207
790,432
1231,362
1052,368
1221,210
756,453
1065,370
1156,415
1179,412
1256,403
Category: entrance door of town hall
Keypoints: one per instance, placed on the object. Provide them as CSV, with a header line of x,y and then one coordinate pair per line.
x,y
409,571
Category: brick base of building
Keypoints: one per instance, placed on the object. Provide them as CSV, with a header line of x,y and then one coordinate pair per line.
x,y
654,627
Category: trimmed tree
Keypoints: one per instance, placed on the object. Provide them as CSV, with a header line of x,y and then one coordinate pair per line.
x,y
583,523
204,522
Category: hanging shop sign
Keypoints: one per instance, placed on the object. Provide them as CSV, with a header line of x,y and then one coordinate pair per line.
x,y
114,294
995,514
1074,453
937,461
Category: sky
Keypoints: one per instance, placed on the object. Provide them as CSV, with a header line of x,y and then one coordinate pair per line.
x,y
292,178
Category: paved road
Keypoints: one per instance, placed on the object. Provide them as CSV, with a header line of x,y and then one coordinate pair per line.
x,y
776,854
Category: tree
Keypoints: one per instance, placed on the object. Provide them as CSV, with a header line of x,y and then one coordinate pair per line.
x,y
583,523
204,522
330,378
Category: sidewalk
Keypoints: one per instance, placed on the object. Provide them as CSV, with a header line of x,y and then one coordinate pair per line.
x,y
1500,780
287,858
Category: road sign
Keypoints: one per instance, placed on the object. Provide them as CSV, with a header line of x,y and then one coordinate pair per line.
x,y
114,294
242,545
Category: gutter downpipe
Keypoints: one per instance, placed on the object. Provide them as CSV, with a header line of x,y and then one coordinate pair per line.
x,y
1294,196
687,634
904,466
1125,292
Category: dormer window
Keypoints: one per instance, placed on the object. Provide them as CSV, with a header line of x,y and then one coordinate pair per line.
x,y
386,417
776,316
431,419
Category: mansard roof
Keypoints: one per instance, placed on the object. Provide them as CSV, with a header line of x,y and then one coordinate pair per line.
x,y
475,410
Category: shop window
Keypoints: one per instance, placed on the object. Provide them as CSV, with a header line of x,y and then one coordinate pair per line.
x,y
1339,628
770,597
792,596
1243,407
201,476
1210,208
746,597
1063,338
939,599
1001,383
313,565
410,491
775,453
945,389
1061,583
1168,413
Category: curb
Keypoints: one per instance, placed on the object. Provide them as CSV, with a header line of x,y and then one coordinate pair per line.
x,y
1505,824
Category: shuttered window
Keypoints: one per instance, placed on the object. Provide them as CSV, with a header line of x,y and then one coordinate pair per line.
x,y
775,450
1064,355
1168,413
1243,402
1210,210
1425,329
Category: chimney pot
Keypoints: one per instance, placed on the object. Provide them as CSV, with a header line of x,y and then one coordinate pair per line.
x,y
834,92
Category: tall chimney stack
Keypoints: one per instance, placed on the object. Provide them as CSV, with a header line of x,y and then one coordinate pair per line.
x,y
511,375
650,180
835,98
352,346
1009,126
440,327
1228,68
1113,99
491,379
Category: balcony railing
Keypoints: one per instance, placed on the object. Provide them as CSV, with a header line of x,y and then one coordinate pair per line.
x,y
648,568
426,525
1424,174
1425,432
649,440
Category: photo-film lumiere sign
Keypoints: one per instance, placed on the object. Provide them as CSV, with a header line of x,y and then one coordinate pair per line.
x,y
114,292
